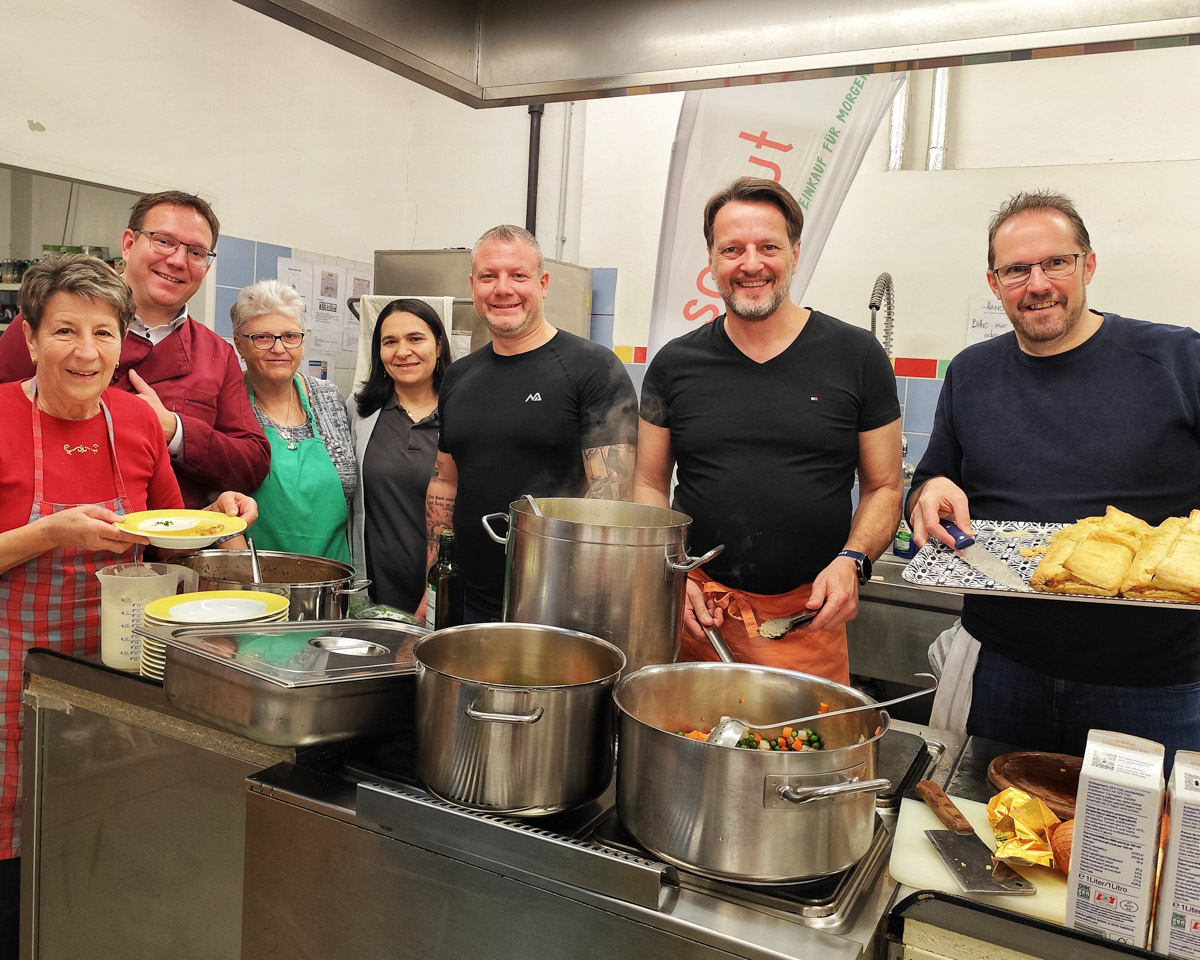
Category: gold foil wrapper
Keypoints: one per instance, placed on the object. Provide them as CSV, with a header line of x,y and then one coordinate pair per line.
x,y
1023,825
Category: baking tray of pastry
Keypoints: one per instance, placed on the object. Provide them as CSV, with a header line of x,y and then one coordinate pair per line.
x,y
1018,544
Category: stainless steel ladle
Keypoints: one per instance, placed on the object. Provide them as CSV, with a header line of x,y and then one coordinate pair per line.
x,y
729,731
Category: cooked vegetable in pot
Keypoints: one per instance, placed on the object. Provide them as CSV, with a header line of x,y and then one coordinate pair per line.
x,y
788,739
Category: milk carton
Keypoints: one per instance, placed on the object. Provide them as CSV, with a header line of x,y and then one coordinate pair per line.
x,y
1110,889
1177,917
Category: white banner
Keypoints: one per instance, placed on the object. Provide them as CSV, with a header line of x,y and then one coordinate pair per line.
x,y
810,136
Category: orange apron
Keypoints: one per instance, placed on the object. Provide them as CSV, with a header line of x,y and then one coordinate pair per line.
x,y
819,652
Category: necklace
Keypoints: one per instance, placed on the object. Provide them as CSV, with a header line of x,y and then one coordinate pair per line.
x,y
287,432
418,411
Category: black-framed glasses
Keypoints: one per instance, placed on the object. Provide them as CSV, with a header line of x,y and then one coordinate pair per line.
x,y
266,341
1055,268
166,244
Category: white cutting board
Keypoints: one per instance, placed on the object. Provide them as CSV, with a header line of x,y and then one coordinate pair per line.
x,y
916,863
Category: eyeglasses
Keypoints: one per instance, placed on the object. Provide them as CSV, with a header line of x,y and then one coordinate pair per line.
x,y
266,341
166,244
1055,268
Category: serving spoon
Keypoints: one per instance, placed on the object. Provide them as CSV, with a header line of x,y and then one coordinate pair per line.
x,y
730,730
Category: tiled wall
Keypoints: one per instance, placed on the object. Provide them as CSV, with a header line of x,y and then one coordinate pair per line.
x,y
241,263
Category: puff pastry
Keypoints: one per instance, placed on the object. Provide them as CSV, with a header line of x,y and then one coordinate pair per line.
x,y
1093,557
1121,554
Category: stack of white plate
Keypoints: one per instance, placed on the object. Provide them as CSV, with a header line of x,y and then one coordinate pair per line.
x,y
208,607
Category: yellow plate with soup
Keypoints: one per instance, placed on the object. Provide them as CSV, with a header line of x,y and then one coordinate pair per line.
x,y
181,529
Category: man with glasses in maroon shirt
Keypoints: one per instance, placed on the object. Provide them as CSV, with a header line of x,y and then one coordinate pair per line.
x,y
188,375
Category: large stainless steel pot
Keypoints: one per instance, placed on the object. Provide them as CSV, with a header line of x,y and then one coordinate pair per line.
x,y
318,589
751,816
515,718
608,568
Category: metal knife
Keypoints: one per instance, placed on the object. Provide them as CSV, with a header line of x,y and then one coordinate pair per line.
x,y
965,854
980,559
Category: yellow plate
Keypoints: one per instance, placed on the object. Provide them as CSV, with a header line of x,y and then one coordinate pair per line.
x,y
181,529
216,606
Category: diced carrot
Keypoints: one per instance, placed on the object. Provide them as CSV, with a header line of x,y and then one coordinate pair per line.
x,y
696,735
787,731
757,737
741,699
824,707
878,729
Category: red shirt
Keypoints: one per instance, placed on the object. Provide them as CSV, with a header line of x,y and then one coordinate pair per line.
x,y
77,462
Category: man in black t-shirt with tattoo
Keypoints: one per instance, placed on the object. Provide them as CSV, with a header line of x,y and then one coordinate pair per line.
x,y
537,411
768,412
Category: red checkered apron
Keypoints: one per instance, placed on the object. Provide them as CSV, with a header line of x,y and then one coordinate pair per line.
x,y
51,601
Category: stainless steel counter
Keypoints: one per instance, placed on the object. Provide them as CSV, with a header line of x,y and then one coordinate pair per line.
x,y
133,820
400,874
896,623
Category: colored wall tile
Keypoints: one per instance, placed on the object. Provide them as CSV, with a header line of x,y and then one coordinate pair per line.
x,y
235,262
918,443
602,329
901,388
265,257
225,298
920,404
639,354
941,371
637,373
625,354
913,367
604,290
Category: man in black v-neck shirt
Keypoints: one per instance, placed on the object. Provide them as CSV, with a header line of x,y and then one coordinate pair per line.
x,y
537,411
768,411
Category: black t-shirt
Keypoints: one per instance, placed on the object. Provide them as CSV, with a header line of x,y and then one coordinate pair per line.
x,y
519,424
766,452
1055,439
395,474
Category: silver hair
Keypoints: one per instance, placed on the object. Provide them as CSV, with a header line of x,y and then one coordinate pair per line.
x,y
509,233
263,298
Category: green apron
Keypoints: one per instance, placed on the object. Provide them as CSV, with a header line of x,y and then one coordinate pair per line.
x,y
301,507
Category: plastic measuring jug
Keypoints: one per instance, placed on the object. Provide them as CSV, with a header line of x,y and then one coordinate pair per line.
x,y
125,589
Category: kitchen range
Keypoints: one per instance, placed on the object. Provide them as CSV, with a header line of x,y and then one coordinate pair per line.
x,y
334,850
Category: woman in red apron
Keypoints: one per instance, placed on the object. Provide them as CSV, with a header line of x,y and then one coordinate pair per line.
x,y
74,458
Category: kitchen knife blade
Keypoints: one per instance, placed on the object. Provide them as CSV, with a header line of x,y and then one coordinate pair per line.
x,y
965,854
982,560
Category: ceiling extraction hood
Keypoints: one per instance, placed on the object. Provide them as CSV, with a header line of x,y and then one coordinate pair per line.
x,y
487,53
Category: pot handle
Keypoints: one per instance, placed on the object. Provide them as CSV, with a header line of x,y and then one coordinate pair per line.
x,y
474,714
488,527
808,794
689,564
358,586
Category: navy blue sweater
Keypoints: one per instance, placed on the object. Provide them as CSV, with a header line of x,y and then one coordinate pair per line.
x,y
1054,439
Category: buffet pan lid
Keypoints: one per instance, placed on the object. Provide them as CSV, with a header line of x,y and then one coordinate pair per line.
x,y
300,653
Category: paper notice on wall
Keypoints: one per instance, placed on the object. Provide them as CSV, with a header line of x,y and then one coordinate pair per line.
x,y
329,291
361,282
319,366
297,274
985,319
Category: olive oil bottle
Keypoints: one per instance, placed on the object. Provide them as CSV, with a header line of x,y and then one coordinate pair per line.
x,y
444,588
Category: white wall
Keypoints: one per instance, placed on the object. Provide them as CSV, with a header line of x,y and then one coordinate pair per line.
x,y
300,144
1116,132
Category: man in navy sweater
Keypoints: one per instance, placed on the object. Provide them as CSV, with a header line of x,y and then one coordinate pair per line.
x,y
1071,411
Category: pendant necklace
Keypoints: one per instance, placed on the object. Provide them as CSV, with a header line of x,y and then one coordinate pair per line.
x,y
287,432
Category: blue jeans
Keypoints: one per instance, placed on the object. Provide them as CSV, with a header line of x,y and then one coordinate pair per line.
x,y
1015,704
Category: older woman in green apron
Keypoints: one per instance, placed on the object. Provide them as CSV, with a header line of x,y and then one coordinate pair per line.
x,y
303,504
